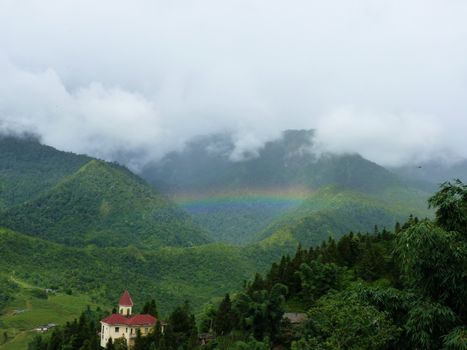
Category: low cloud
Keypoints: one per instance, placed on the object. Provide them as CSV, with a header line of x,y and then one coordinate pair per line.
x,y
389,139
133,80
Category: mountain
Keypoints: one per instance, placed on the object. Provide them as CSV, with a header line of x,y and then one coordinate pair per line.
x,y
234,200
94,228
204,165
27,168
106,205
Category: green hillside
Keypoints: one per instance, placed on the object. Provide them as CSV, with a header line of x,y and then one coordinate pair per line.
x,y
172,275
234,200
332,212
106,205
235,217
30,307
27,168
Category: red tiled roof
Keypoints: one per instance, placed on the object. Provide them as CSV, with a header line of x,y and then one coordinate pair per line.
x,y
136,320
142,320
125,299
115,319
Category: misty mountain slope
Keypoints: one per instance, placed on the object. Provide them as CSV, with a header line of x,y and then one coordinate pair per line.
x,y
27,168
204,165
333,212
236,199
107,205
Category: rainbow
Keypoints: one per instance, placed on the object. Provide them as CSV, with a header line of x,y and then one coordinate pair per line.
x,y
251,199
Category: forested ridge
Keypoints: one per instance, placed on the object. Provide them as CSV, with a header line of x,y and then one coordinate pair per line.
x,y
105,205
282,182
405,289
28,168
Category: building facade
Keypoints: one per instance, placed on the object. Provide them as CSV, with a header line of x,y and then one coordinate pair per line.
x,y
124,324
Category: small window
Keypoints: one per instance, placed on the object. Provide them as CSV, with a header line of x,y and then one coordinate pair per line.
x,y
126,330
117,329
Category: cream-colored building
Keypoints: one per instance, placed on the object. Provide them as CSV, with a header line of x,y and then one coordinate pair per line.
x,y
124,324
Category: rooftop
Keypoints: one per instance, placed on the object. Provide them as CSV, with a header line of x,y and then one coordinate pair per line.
x,y
136,320
125,299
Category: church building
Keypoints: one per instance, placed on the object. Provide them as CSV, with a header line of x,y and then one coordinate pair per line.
x,y
124,324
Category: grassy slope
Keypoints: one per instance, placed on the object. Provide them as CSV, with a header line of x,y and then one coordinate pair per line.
x,y
59,309
105,205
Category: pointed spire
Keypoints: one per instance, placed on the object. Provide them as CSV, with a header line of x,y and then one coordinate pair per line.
x,y
125,299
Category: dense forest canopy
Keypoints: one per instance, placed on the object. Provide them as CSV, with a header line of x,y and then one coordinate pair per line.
x,y
405,289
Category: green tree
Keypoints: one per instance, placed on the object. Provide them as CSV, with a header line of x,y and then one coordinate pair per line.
x,y
433,263
456,339
120,344
251,344
370,263
317,279
348,250
224,320
109,345
37,344
428,323
151,308
341,321
181,331
141,343
451,206
260,312
56,340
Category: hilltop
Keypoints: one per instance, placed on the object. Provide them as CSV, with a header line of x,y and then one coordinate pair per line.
x,y
106,205
27,168
333,212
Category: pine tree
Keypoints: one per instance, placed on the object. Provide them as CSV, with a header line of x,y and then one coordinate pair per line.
x,y
371,262
121,344
223,322
109,345
397,228
151,308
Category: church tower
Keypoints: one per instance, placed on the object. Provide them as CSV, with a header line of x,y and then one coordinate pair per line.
x,y
125,304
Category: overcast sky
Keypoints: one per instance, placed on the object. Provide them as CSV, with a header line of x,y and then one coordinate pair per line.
x,y
387,79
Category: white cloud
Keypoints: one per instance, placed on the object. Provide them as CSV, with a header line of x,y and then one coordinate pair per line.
x,y
118,79
391,139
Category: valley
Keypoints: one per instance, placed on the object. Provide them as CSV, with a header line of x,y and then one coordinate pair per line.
x,y
93,228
